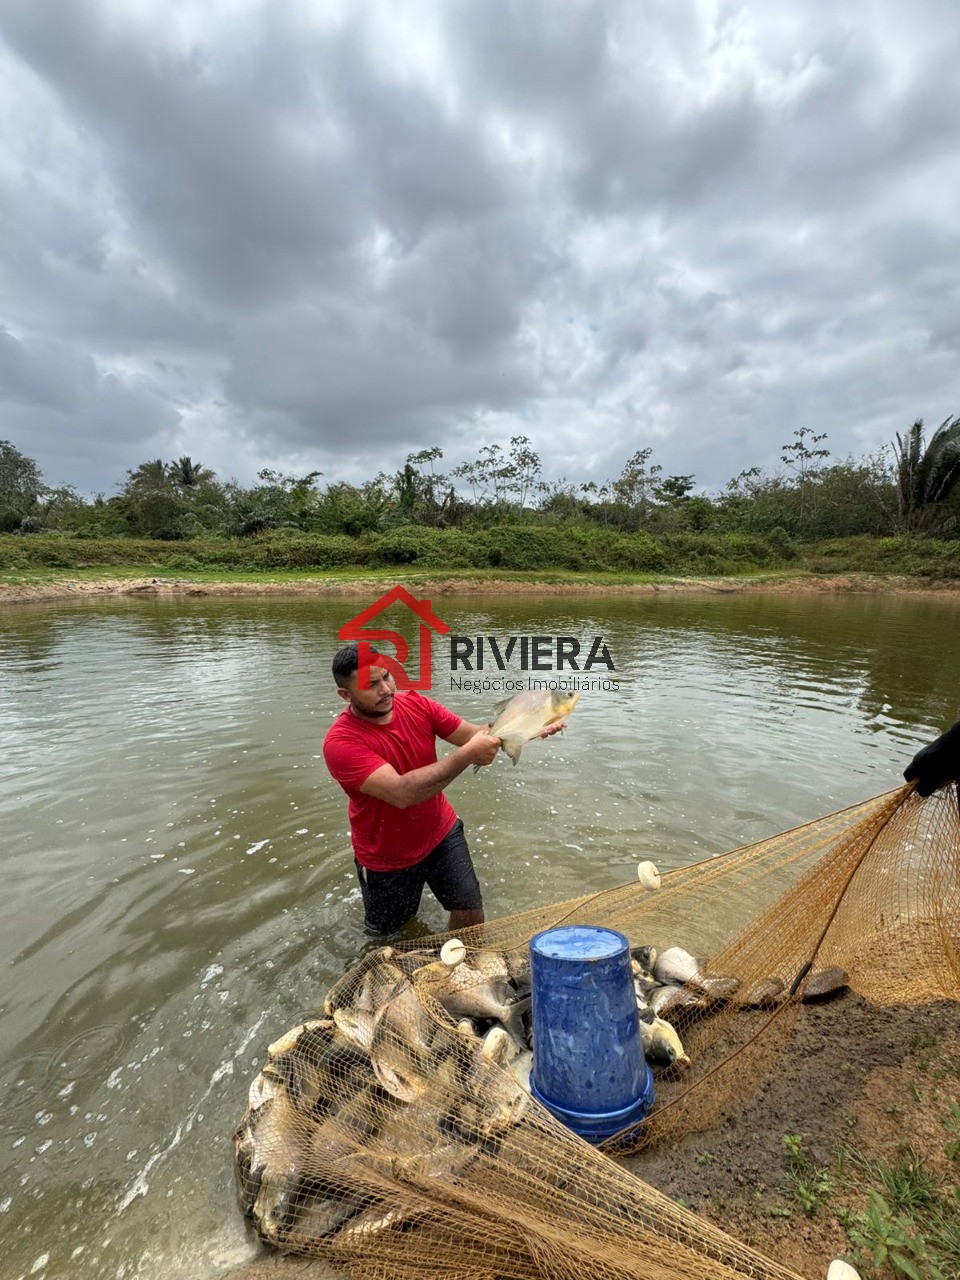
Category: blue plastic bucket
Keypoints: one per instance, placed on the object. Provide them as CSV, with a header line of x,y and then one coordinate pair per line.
x,y
588,1063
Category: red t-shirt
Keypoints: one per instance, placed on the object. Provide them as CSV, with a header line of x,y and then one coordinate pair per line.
x,y
386,838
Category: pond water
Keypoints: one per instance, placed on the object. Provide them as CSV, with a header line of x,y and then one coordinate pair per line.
x,y
177,886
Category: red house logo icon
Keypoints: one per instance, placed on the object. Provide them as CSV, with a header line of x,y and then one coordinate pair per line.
x,y
357,629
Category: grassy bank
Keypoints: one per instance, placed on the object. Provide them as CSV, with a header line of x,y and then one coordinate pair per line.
x,y
505,549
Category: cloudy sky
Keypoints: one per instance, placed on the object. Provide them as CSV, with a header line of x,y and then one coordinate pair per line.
x,y
307,235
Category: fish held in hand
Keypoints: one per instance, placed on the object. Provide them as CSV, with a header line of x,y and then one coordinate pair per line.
x,y
524,717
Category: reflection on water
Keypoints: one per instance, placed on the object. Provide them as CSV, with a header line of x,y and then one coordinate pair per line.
x,y
177,884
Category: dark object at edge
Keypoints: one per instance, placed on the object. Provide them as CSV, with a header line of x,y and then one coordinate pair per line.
x,y
936,764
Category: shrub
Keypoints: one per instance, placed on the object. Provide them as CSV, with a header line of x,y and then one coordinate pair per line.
x,y
308,551
635,552
405,545
781,544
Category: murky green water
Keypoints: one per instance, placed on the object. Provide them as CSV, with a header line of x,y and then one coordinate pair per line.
x,y
177,887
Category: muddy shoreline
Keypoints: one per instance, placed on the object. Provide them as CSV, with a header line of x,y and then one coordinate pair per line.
x,y
839,584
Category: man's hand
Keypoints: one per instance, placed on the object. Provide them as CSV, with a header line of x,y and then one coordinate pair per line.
x,y
937,763
553,728
481,748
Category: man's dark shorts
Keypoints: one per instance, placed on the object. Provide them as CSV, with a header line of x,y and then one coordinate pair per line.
x,y
391,898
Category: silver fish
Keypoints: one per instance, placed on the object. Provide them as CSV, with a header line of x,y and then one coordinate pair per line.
x,y
644,958
466,993
511,965
368,1224
356,1025
697,997
417,1144
301,1078
523,717
293,1179
277,1155
718,990
676,965
304,1210
367,985
644,983
520,1067
502,1065
399,1077
671,998
402,1046
661,1044
262,1089
405,1020
337,1138
291,1038
492,964
517,960
249,1161
248,1174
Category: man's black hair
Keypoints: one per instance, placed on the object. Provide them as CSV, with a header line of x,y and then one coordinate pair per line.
x,y
345,662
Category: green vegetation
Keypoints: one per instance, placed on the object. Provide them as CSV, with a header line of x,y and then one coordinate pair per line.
x,y
906,1182
806,1182
496,513
926,475
883,1238
900,1216
499,551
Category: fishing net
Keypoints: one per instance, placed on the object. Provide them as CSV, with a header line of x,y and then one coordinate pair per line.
x,y
394,1134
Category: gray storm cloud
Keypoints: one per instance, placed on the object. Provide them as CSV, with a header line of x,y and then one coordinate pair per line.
x,y
324,236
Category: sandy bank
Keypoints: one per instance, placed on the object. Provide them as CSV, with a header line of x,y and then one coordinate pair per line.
x,y
76,589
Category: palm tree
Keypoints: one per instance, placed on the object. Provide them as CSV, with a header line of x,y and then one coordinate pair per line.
x,y
926,476
187,474
149,476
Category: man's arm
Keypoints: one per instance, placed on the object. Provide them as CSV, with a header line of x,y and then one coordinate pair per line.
x,y
463,733
405,789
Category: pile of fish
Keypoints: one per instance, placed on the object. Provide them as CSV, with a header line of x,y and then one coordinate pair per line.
x,y
384,1089
673,984
420,1062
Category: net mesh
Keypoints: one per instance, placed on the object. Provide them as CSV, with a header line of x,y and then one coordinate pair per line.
x,y
394,1133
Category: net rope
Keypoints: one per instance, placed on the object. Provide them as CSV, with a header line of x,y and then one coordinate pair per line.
x,y
393,1133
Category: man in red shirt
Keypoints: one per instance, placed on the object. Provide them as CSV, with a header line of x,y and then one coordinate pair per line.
x,y
382,751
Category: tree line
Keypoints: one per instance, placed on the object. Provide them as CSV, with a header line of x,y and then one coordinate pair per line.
x,y
911,487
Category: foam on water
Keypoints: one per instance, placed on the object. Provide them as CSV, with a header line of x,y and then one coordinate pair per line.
x,y
140,1185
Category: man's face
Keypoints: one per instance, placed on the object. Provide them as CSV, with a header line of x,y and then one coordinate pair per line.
x,y
376,702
